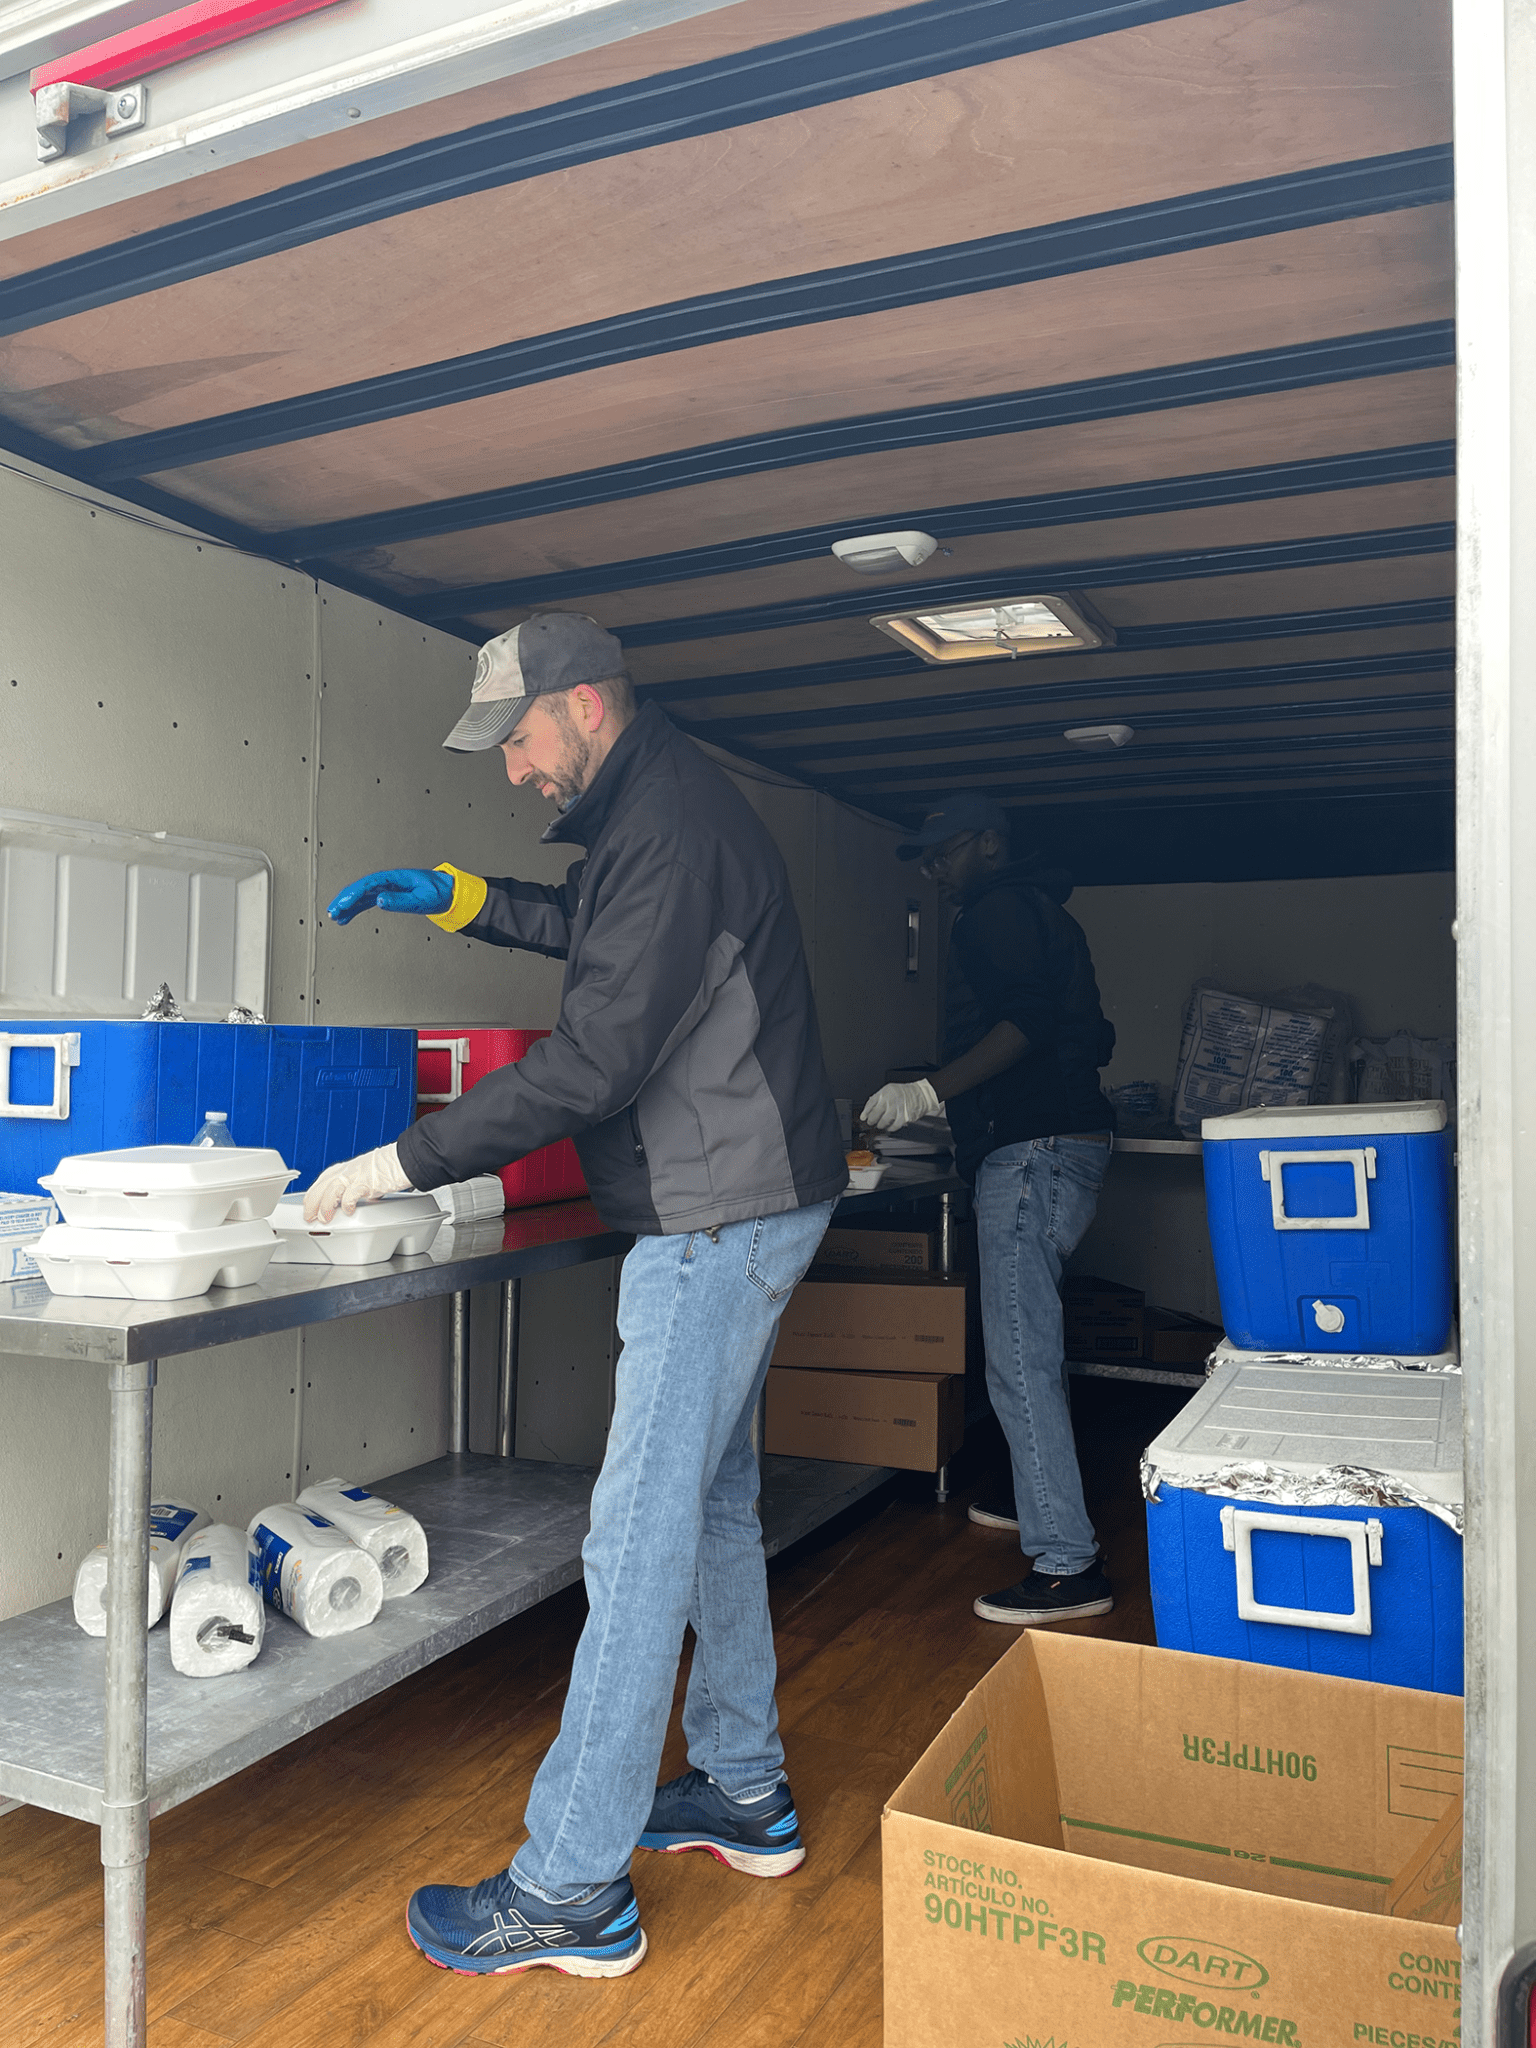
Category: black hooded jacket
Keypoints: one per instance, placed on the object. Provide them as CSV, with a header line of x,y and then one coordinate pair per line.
x,y
686,1061
1015,955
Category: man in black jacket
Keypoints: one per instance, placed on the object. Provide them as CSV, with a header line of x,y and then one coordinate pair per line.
x,y
686,1062
1024,1039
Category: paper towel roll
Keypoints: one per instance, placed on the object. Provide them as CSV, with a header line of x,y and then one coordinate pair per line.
x,y
171,1525
395,1540
217,1615
314,1573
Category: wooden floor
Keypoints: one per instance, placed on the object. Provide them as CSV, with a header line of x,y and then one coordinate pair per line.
x,y
276,1901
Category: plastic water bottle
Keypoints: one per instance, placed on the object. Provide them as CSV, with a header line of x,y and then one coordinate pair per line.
x,y
215,1128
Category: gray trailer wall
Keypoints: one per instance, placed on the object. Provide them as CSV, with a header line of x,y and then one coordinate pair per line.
x,y
150,679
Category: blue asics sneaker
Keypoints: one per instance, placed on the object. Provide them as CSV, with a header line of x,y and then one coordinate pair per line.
x,y
760,1836
495,1928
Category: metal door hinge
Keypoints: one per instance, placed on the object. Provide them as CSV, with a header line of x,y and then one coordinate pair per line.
x,y
125,107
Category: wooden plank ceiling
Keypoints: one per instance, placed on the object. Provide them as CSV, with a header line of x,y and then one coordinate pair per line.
x,y
1150,302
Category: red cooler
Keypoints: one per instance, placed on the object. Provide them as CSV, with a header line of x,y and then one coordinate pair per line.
x,y
449,1060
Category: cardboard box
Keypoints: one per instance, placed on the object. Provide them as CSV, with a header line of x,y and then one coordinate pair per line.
x,y
1170,1337
1110,1844
875,1322
912,1420
1101,1318
906,1251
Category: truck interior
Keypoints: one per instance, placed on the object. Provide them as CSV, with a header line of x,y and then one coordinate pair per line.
x,y
1144,309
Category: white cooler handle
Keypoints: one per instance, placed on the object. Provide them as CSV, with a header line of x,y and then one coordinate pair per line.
x,y
65,1047
457,1050
1363,1160
1363,1538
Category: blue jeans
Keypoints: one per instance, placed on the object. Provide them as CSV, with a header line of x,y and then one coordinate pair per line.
x,y
1033,1203
675,1539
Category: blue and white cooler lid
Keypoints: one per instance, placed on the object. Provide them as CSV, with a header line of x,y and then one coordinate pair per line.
x,y
1327,1120
1303,1420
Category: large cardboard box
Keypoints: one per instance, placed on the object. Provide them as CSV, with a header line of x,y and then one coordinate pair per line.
x,y
1110,1844
875,1322
904,1251
912,1420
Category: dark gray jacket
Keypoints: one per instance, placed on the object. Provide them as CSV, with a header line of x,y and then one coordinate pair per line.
x,y
686,1062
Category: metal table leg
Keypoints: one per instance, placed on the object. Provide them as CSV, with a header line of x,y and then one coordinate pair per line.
x,y
458,1412
507,1363
125,1778
941,1485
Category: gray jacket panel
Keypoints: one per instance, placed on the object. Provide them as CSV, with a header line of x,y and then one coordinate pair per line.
x,y
686,1061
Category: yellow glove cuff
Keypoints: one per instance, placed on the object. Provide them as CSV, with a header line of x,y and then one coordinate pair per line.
x,y
469,894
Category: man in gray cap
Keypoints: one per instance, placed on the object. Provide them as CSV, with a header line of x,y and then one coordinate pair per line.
x,y
686,1063
1024,1039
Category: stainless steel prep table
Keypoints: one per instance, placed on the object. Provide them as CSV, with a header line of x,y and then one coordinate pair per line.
x,y
111,1734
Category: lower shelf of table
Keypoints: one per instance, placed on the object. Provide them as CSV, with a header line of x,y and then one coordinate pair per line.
x,y
503,1535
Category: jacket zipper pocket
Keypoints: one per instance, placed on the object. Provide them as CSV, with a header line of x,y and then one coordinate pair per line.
x,y
634,1132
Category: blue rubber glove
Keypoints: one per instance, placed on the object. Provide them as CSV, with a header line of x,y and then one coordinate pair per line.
x,y
423,890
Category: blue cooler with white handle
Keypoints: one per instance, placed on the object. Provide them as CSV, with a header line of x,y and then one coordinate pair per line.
x,y
1309,1516
1331,1226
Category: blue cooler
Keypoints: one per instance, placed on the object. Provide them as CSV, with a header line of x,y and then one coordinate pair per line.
x,y
314,1092
1264,1550
1331,1226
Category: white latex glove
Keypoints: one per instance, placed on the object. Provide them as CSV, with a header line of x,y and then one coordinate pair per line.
x,y
899,1103
364,1179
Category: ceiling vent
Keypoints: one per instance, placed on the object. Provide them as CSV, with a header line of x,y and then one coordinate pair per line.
x,y
995,632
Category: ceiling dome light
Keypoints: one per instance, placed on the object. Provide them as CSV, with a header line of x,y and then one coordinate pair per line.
x,y
1099,735
884,554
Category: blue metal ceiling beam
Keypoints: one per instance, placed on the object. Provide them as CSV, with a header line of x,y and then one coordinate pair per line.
x,y
844,61
1360,470
1150,719
1129,234
1182,565
1388,352
1101,688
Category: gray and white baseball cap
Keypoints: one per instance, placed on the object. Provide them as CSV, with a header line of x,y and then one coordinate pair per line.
x,y
550,651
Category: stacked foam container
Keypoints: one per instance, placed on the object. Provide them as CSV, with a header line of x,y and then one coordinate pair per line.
x,y
161,1222
1305,1509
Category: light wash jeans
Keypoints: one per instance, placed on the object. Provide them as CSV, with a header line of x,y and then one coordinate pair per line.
x,y
1033,1203
675,1538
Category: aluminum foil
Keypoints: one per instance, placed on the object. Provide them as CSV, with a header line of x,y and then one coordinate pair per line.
x,y
162,1007
1348,1361
1333,1486
241,1015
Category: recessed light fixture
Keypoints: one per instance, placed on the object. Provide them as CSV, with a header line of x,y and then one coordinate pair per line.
x,y
1100,735
884,554
994,632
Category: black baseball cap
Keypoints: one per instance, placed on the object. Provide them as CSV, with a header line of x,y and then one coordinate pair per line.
x,y
551,651
957,814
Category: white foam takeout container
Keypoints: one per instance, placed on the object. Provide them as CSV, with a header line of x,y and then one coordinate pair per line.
x,y
153,1265
862,1178
169,1187
374,1232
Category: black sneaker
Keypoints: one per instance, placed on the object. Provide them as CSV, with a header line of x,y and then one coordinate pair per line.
x,y
1039,1598
759,1836
496,1929
993,1514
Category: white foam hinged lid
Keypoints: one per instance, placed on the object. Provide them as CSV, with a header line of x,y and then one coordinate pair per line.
x,y
394,1209
1302,1419
166,1169
1328,1120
